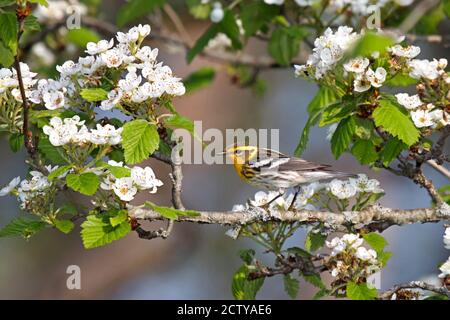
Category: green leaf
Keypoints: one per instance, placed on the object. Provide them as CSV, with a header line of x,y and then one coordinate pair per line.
x,y
376,241
68,208
94,94
315,280
6,3
401,80
242,288
337,111
59,171
247,255
312,121
291,285
65,226
324,97
139,140
16,141
171,213
43,3
198,9
80,37
6,56
314,241
97,231
31,23
360,291
23,227
136,9
229,26
178,121
118,218
383,257
342,137
446,4
364,151
9,30
369,43
396,121
391,150
436,297
85,183
50,152
116,171
199,79
255,15
284,44
202,42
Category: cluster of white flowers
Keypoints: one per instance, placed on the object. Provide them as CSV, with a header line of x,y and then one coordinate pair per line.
x,y
9,82
328,50
74,131
341,189
144,78
351,244
423,114
127,187
365,77
345,189
357,7
28,189
426,69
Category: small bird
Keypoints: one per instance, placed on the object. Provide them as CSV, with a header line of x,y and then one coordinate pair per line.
x,y
272,170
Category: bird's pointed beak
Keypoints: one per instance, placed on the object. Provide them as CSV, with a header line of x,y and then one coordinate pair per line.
x,y
221,153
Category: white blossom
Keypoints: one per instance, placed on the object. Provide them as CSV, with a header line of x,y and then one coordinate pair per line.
x,y
342,189
447,238
361,83
113,58
377,77
408,52
366,254
145,178
329,49
445,269
106,134
93,48
217,12
262,198
10,187
409,102
422,118
124,188
364,184
357,65
426,69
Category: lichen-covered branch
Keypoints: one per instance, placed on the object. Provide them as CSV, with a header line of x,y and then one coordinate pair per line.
x,y
374,217
387,295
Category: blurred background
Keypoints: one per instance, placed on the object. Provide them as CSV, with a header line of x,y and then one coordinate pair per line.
x,y
198,261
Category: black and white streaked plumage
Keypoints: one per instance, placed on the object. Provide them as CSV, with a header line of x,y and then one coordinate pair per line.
x,y
272,170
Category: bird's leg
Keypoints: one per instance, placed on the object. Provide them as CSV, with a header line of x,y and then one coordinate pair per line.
x,y
297,191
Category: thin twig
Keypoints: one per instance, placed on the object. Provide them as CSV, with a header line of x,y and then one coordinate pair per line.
x,y
420,10
414,285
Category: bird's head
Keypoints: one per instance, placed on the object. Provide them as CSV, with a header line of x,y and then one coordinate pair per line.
x,y
241,154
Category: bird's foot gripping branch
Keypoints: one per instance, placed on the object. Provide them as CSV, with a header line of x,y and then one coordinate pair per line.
x,y
72,149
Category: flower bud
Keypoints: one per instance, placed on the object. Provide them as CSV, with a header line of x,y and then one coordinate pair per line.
x,y
217,12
